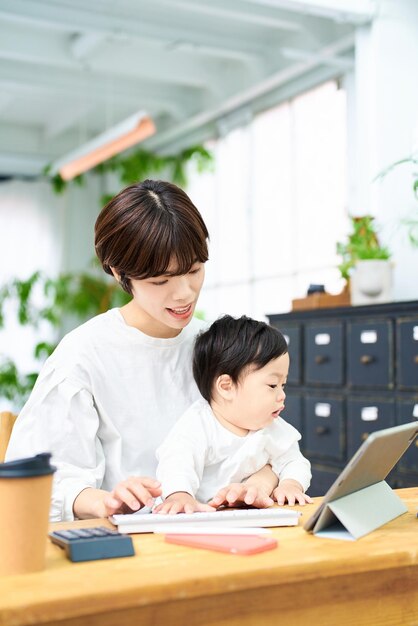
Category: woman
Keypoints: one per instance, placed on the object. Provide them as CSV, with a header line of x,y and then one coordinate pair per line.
x,y
114,386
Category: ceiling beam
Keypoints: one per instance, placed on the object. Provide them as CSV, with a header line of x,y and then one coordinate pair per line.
x,y
94,86
64,119
164,65
5,100
83,44
77,17
297,54
249,95
238,15
352,11
19,164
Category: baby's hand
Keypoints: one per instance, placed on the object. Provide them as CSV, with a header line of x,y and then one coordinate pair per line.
x,y
181,502
131,494
242,493
290,491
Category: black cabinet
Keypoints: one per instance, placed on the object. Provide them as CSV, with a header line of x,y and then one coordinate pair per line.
x,y
370,354
407,352
364,416
293,410
324,427
353,370
407,411
292,336
323,347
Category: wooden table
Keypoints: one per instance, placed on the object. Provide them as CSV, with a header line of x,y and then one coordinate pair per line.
x,y
305,581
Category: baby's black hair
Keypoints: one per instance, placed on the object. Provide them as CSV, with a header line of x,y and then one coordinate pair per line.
x,y
229,346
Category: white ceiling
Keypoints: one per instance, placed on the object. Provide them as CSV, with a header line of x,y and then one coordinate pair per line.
x,y
69,69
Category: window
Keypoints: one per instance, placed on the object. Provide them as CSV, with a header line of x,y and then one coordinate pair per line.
x,y
275,206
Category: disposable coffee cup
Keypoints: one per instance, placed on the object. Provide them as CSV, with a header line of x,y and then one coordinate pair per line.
x,y
25,499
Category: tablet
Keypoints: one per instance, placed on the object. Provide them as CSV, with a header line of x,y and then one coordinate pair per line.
x,y
372,462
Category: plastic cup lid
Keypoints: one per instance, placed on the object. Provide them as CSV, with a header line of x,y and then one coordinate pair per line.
x,y
38,465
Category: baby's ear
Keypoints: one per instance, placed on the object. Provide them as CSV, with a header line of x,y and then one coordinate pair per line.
x,y
224,386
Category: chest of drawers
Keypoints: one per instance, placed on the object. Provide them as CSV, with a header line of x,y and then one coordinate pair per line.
x,y
353,370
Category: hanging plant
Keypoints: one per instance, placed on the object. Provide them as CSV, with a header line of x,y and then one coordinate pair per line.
x,y
142,164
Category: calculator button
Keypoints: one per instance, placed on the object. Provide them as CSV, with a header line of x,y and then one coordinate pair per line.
x,y
98,532
67,534
83,532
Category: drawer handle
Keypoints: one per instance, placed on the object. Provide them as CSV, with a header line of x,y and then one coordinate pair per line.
x,y
365,359
416,359
322,430
321,358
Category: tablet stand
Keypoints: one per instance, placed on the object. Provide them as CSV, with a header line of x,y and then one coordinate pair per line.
x,y
357,514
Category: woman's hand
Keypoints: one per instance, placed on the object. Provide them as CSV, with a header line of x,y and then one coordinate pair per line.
x,y
181,502
242,493
291,491
131,494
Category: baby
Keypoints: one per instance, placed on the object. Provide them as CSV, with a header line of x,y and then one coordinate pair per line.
x,y
240,367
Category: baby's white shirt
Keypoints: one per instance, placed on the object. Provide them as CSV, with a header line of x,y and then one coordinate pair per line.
x,y
200,456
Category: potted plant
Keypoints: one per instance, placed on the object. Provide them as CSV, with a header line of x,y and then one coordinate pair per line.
x,y
365,263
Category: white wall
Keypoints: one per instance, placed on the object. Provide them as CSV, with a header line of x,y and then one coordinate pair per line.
x,y
385,128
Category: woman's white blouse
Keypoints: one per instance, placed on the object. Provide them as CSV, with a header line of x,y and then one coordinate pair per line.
x,y
103,403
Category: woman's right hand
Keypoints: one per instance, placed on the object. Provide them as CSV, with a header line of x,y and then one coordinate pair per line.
x,y
131,494
128,496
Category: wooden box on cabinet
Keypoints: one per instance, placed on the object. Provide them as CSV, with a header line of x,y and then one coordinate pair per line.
x,y
353,370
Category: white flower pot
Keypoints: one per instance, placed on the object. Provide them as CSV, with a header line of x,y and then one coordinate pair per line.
x,y
371,282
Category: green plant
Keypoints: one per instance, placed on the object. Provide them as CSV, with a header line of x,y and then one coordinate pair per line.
x,y
362,243
410,222
73,296
15,386
142,164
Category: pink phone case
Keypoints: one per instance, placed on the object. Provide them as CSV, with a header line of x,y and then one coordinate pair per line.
x,y
234,544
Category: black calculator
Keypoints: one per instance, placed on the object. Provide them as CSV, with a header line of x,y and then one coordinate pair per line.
x,y
91,544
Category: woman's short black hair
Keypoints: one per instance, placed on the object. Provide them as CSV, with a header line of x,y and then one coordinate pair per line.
x,y
229,346
147,225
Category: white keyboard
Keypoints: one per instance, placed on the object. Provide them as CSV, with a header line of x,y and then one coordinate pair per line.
x,y
146,522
